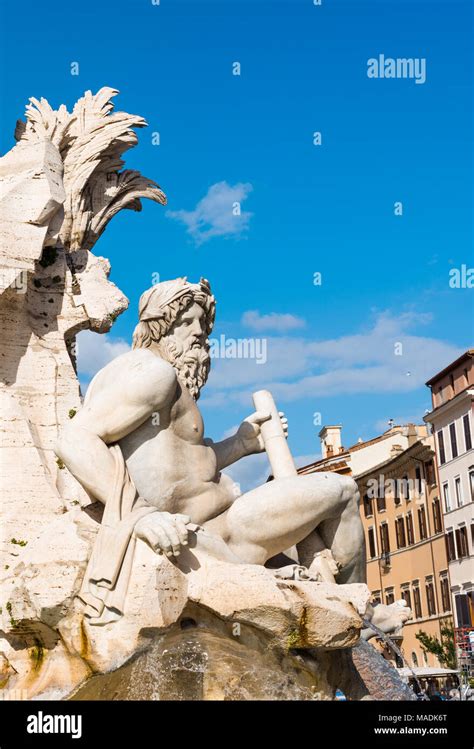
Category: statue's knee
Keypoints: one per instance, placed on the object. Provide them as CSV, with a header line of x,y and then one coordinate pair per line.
x,y
342,490
350,492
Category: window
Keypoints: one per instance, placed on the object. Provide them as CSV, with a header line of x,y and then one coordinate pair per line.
x,y
371,537
472,534
445,594
381,504
400,531
467,432
430,472
463,615
384,539
457,490
454,442
422,523
368,511
450,547
410,533
389,597
376,598
406,597
430,599
417,602
462,543
418,482
447,500
441,450
406,488
414,660
437,523
471,482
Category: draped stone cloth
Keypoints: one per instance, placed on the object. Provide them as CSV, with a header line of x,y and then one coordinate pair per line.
x,y
105,583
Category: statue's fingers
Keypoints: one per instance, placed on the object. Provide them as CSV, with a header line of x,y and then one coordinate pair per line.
x,y
258,417
173,536
159,540
181,529
184,518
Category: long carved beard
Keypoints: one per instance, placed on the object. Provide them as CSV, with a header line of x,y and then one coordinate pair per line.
x,y
192,363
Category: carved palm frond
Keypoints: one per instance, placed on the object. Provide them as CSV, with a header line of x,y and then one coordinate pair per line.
x,y
43,122
91,141
114,191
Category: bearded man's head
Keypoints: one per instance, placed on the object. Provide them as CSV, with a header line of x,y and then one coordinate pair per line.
x,y
175,318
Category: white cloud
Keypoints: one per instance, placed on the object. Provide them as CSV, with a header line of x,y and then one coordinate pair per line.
x,y
95,350
214,216
364,362
280,323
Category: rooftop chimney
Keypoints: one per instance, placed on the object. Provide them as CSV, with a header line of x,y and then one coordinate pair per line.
x,y
412,434
331,441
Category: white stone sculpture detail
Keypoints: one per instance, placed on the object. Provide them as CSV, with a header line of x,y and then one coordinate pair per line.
x,y
138,446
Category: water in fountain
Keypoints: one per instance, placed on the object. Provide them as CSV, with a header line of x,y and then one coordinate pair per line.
x,y
197,664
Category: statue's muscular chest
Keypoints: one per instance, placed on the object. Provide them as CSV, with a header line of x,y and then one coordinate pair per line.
x,y
166,455
178,425
183,419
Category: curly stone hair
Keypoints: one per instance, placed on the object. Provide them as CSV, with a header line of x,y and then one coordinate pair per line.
x,y
152,330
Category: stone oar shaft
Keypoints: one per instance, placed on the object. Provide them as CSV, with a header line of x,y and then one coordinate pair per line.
x,y
274,439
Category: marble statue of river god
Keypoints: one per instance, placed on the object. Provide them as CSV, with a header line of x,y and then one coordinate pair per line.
x,y
138,446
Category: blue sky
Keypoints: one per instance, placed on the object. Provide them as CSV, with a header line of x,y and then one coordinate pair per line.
x,y
305,208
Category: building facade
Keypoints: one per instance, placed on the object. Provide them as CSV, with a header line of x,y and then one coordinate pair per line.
x,y
403,524
406,553
452,392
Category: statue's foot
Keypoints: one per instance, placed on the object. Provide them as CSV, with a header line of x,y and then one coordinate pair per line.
x,y
389,618
294,572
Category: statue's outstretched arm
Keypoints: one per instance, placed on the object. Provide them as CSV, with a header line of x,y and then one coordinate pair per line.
x,y
246,441
227,451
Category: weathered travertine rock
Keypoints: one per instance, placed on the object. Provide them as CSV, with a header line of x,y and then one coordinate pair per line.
x,y
59,187
31,193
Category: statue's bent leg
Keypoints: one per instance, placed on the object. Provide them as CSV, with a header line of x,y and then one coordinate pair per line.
x,y
284,512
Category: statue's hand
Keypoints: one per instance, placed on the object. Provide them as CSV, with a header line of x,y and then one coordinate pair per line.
x,y
164,532
250,433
